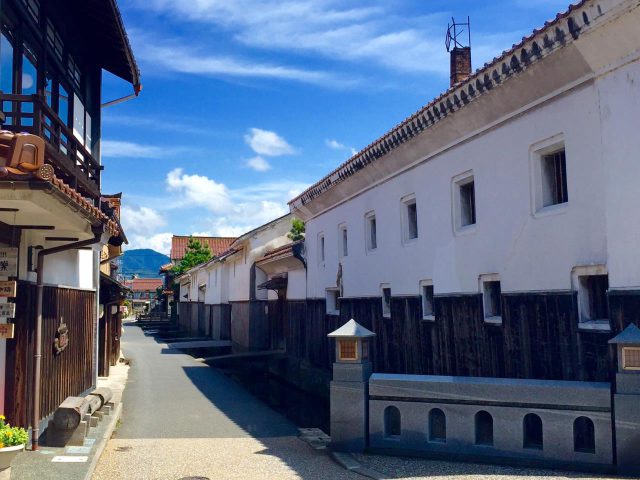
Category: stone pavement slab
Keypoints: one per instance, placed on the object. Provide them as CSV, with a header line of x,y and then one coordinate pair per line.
x,y
200,344
75,463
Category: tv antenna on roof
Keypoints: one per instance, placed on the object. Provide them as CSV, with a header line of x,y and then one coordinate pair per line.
x,y
455,33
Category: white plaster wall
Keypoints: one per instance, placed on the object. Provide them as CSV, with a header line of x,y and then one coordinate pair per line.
x,y
87,267
620,113
297,284
528,253
239,277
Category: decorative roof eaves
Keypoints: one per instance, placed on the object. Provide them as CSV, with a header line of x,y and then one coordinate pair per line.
x,y
555,34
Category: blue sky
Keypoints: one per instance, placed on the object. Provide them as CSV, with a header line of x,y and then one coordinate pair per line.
x,y
247,102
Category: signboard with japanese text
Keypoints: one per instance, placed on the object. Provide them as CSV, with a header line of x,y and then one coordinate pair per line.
x,y
8,289
7,310
8,262
6,330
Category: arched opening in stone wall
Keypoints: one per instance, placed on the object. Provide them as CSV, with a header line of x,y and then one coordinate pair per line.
x,y
437,426
392,422
532,431
584,435
484,428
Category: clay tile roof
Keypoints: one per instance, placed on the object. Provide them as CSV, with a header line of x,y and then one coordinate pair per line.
x,y
166,267
283,251
218,245
144,284
561,29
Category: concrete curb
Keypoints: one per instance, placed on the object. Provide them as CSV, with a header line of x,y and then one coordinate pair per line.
x,y
349,462
102,443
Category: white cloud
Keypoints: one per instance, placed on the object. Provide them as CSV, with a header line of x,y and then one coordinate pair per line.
x,y
118,149
175,56
335,30
334,144
265,142
142,220
259,164
199,190
160,242
141,225
231,212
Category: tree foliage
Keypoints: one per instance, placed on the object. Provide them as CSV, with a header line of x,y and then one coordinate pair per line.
x,y
195,254
297,230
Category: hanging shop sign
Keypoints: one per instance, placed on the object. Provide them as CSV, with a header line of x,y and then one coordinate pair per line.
x,y
62,338
8,289
7,310
6,330
8,262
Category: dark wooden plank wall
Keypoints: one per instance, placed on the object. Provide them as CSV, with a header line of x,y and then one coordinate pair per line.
x,y
538,338
67,374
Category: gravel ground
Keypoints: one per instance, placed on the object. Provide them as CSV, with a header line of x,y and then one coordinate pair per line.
x,y
216,458
411,468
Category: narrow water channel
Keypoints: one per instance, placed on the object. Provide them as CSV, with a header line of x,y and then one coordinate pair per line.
x,y
302,408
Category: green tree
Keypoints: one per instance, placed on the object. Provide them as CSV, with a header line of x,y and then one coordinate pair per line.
x,y
195,254
297,230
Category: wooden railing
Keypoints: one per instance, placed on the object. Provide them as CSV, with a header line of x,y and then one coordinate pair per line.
x,y
72,161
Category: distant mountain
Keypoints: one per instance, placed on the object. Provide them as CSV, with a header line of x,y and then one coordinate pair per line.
x,y
143,262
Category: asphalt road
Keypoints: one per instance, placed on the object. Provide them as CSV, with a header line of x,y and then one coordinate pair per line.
x,y
184,419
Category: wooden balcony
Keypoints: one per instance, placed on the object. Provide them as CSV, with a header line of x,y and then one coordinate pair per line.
x,y
72,162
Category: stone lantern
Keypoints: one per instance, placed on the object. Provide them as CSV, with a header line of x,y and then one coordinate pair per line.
x,y
626,398
350,388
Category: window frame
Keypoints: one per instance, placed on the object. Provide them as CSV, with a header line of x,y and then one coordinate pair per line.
x,y
321,249
430,317
537,153
585,322
405,203
483,281
457,183
370,242
386,309
343,240
336,303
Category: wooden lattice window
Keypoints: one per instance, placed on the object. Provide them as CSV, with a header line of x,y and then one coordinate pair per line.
x,y
348,349
630,358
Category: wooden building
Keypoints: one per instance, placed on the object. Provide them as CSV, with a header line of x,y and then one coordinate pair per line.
x,y
53,219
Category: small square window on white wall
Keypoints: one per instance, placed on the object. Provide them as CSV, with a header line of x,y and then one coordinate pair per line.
x,y
549,183
491,297
332,301
371,231
463,202
385,293
591,283
409,218
343,240
426,298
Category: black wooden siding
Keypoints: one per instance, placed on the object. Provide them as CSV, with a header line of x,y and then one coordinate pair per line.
x,y
538,338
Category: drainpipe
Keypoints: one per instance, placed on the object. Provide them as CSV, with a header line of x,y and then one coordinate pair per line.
x,y
97,235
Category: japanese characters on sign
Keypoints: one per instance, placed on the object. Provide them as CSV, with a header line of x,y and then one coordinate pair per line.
x,y
8,289
8,262
7,310
6,330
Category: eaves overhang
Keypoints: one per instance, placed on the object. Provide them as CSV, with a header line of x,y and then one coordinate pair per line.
x,y
503,87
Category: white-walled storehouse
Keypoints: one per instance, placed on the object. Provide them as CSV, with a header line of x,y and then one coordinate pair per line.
x,y
493,233
222,298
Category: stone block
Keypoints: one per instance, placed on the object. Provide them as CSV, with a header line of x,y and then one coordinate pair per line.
x,y
349,416
627,422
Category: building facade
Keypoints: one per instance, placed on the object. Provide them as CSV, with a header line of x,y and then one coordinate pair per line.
x,y
53,220
490,234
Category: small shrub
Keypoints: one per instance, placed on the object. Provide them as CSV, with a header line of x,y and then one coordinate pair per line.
x,y
11,436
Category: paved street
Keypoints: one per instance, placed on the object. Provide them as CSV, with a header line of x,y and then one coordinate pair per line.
x,y
183,419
